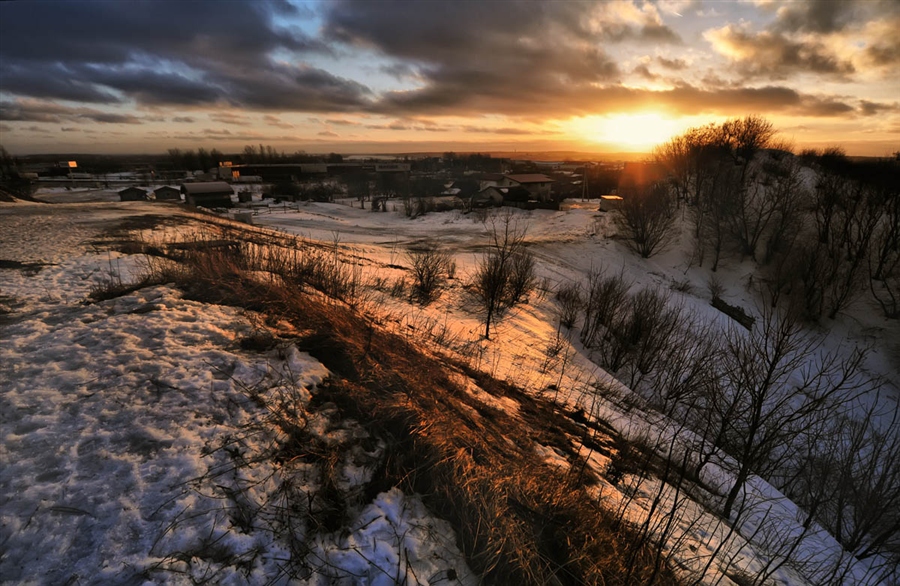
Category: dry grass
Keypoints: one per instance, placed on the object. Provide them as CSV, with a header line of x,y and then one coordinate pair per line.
x,y
518,519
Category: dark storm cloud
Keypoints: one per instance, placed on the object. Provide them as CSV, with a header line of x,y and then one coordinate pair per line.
x,y
400,71
491,56
165,53
817,16
341,122
648,33
31,112
299,88
690,100
885,52
830,16
643,71
223,134
764,99
673,64
276,121
53,80
115,32
524,58
867,108
152,87
108,117
40,111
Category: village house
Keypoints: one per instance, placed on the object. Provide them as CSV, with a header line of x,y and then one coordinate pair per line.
x,y
489,180
208,194
490,196
538,185
497,196
167,193
133,194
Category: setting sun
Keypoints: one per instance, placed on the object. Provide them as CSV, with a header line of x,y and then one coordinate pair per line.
x,y
629,131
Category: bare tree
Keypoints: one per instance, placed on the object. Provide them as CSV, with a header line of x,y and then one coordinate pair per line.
x,y
676,156
647,217
791,198
745,137
770,187
884,255
776,384
847,214
851,483
714,208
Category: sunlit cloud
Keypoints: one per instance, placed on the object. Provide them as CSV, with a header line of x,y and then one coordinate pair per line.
x,y
402,72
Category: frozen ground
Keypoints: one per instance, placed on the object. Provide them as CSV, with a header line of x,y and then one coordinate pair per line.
x,y
109,411
569,244
113,418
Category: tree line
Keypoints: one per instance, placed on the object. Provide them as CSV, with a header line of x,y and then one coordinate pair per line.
x,y
190,159
821,227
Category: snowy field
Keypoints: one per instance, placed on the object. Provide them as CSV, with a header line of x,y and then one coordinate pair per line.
x,y
114,414
113,418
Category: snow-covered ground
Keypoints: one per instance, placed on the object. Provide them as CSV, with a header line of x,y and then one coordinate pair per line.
x,y
111,412
118,421
568,245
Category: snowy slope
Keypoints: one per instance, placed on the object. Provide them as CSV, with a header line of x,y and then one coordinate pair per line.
x,y
110,410
115,420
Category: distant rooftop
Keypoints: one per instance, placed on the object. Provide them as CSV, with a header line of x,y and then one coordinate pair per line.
x,y
206,187
530,178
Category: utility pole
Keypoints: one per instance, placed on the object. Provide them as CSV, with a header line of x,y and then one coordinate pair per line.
x,y
584,184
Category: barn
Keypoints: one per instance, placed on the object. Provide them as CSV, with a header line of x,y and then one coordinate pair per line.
x,y
133,194
167,193
209,194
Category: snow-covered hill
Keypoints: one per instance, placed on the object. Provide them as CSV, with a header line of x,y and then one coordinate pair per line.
x,y
118,416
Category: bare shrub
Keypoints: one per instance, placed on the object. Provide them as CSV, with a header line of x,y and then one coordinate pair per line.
x,y
430,268
638,334
884,256
606,296
505,271
682,286
522,279
398,289
653,326
570,301
715,287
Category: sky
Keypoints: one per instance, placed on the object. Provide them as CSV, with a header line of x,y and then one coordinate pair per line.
x,y
391,76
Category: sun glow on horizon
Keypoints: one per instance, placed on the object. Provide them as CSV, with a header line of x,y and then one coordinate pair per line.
x,y
641,131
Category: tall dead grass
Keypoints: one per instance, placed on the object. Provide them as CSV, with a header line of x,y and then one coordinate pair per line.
x,y
519,520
